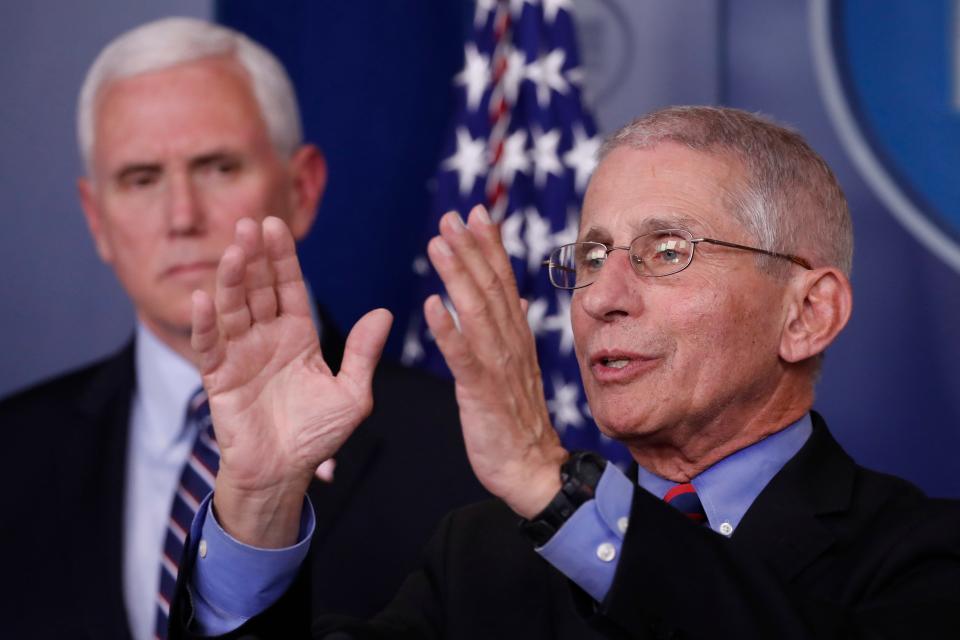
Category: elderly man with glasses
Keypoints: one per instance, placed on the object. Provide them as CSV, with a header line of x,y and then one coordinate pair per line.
x,y
699,347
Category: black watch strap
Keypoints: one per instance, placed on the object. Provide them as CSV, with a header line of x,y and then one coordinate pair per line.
x,y
579,477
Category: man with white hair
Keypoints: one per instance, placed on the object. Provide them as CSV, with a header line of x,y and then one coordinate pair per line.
x,y
709,276
185,128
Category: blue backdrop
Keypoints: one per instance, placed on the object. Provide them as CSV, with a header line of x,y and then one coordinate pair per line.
x,y
374,82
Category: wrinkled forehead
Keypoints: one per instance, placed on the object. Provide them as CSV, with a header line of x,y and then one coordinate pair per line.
x,y
635,191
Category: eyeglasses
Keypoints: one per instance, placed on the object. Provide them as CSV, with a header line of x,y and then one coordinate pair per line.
x,y
656,254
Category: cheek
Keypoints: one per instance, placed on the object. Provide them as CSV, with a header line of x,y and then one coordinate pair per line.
x,y
229,203
578,323
725,341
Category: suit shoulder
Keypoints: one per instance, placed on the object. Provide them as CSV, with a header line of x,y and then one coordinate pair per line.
x,y
901,500
394,375
59,391
412,400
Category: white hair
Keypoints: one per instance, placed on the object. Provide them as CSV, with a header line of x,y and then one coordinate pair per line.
x,y
169,42
791,202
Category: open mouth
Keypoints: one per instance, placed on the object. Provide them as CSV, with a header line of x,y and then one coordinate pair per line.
x,y
620,367
615,363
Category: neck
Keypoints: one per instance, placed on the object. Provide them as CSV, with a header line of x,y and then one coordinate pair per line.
x,y
177,338
684,451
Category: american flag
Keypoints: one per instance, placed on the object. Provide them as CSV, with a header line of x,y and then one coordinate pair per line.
x,y
523,144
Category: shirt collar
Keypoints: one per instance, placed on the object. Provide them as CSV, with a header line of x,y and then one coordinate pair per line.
x,y
165,383
729,487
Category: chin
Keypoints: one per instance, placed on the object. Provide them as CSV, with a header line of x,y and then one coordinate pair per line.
x,y
622,425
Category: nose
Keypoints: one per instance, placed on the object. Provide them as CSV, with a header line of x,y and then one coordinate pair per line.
x,y
615,292
185,213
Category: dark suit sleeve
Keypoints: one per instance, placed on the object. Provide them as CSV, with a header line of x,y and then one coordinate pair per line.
x,y
414,613
896,575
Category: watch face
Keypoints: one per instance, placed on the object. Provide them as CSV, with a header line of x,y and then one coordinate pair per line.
x,y
586,465
580,475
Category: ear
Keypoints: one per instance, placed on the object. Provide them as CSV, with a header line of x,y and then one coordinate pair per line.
x,y
820,306
95,222
308,170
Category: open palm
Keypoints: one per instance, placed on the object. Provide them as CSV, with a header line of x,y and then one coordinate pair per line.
x,y
277,409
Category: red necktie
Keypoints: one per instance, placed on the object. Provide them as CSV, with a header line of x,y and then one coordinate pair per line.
x,y
684,499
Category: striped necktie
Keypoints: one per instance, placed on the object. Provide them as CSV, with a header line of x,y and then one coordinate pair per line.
x,y
196,482
684,499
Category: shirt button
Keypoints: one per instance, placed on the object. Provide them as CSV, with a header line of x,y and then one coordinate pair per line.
x,y
726,528
606,552
203,549
622,524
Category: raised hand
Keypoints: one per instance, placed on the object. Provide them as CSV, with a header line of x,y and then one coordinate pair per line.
x,y
511,444
277,409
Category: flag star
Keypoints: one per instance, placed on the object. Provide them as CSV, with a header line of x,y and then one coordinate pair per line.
x,y
551,7
513,75
537,237
412,347
484,7
546,72
469,160
475,75
516,7
421,266
563,405
568,234
536,314
575,76
514,157
545,160
582,156
510,234
560,321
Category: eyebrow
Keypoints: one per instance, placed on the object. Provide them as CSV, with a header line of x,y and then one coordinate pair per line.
x,y
600,234
126,171
656,224
213,157
197,162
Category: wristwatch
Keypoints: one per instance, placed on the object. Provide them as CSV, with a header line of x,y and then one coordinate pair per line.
x,y
579,477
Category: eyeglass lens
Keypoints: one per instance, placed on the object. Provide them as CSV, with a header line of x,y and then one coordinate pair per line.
x,y
654,254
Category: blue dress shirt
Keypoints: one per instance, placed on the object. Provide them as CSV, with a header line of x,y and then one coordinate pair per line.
x,y
158,447
231,586
586,549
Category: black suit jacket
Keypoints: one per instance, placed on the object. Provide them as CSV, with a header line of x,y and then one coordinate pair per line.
x,y
828,550
64,466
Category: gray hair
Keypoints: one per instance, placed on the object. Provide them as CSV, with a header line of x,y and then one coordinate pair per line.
x,y
791,201
168,42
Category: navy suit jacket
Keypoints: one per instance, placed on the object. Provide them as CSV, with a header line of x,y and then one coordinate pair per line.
x,y
64,466
827,550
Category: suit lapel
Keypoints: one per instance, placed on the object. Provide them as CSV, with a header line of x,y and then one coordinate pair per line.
x,y
353,459
329,499
784,525
96,487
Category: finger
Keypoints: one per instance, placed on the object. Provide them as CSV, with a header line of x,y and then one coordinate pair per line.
x,y
474,309
476,267
291,291
488,237
205,337
231,298
454,347
258,279
363,349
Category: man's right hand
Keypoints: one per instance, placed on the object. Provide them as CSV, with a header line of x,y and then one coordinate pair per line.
x,y
511,443
278,411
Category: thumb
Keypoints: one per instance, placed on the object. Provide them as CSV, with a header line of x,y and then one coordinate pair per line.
x,y
364,346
